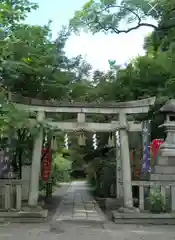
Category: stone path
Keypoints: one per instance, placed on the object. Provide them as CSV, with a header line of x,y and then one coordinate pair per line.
x,y
78,206
52,203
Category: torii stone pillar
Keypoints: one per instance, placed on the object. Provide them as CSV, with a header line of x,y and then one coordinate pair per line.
x,y
36,165
125,157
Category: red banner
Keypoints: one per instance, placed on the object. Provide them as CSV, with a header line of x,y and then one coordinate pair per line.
x,y
46,164
155,146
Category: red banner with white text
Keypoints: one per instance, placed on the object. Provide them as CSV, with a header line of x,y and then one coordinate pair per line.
x,y
46,164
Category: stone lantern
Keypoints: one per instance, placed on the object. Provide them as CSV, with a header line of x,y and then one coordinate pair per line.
x,y
168,148
164,170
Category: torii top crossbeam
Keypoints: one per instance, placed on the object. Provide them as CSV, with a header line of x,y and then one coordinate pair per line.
x,y
131,107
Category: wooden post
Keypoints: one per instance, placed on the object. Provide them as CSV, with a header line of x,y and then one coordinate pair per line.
x,y
7,197
18,197
141,197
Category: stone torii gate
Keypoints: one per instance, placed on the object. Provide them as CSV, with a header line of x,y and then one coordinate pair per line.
x,y
121,109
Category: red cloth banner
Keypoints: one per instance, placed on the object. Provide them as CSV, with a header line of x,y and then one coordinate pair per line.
x,y
155,146
46,164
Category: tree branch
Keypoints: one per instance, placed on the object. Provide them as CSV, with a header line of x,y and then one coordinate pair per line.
x,y
117,30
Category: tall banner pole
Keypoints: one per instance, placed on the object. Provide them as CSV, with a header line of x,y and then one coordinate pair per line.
x,y
119,178
146,136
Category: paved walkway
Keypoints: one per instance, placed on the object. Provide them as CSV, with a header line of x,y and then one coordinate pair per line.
x,y
52,203
78,206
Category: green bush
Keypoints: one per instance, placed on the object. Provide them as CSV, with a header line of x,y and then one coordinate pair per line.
x,y
104,178
61,168
156,201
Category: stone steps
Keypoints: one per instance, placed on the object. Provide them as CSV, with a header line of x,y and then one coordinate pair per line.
x,y
143,218
24,217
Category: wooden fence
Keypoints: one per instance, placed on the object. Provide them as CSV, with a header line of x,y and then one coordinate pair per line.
x,y
167,190
10,194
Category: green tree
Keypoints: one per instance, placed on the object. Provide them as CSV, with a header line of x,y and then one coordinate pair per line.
x,y
14,11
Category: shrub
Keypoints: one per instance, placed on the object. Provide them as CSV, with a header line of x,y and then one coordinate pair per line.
x,y
101,175
61,169
156,201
